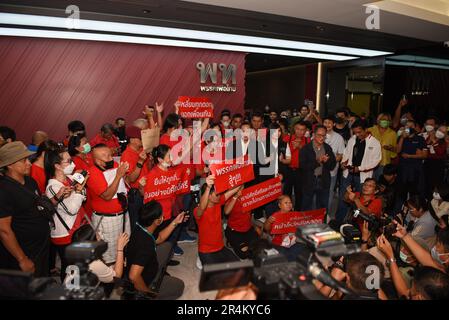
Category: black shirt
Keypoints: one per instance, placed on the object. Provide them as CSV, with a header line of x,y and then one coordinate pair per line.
x,y
345,132
141,251
31,228
358,152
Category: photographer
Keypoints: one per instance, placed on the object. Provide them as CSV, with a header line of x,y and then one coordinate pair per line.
x,y
146,261
67,198
366,201
429,283
389,190
355,269
438,257
419,221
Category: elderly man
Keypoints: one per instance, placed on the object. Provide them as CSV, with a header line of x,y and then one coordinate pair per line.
x,y
24,230
107,137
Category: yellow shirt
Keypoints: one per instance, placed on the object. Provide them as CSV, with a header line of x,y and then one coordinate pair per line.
x,y
389,137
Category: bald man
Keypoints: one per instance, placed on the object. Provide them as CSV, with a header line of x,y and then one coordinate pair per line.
x,y
37,139
108,198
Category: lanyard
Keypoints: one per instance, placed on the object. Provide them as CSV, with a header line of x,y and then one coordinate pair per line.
x,y
147,232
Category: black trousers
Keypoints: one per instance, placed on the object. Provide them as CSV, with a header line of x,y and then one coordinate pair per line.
x,y
224,255
60,249
239,240
292,184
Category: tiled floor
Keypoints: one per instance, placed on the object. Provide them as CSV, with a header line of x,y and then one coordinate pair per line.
x,y
189,273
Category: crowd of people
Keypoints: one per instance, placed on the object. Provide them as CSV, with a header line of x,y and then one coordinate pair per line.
x,y
142,202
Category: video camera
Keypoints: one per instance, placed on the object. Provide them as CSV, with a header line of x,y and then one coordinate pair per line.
x,y
277,278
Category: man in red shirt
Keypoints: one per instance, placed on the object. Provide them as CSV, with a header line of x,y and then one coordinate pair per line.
x,y
366,201
296,142
239,231
211,247
107,196
107,137
139,164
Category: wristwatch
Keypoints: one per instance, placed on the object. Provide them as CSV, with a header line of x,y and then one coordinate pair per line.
x,y
388,262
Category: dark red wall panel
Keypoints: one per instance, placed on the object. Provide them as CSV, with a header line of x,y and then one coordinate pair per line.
x,y
45,83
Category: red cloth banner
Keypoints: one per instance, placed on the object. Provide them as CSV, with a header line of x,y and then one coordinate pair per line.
x,y
228,176
261,194
195,107
287,223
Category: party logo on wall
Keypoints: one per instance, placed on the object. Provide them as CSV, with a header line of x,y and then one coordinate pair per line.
x,y
226,83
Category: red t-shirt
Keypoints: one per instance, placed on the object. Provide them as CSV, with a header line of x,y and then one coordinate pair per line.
x,y
97,185
210,229
161,186
81,164
277,238
165,139
132,156
38,174
112,143
374,206
295,152
238,220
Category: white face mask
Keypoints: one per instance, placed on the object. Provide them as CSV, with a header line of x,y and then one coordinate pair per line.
x,y
429,128
403,256
165,165
404,121
307,134
436,196
69,169
439,135
226,123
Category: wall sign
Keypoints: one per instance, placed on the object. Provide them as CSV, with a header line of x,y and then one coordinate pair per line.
x,y
210,70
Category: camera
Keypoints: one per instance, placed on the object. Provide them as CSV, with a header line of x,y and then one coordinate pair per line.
x,y
277,278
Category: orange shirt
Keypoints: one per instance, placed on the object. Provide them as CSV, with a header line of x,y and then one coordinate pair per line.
x,y
210,229
132,157
38,174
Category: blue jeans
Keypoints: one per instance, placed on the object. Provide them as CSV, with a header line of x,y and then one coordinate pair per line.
x,y
315,190
343,207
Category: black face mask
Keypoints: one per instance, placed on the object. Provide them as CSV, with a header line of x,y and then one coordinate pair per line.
x,y
109,165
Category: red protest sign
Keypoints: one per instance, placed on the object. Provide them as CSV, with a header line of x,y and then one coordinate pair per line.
x,y
228,176
288,222
195,107
261,194
165,184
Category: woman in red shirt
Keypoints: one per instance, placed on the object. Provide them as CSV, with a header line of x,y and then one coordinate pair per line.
x,y
434,164
284,243
37,168
239,231
79,150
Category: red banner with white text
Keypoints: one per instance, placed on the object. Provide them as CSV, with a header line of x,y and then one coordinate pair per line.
x,y
195,107
261,194
287,223
228,176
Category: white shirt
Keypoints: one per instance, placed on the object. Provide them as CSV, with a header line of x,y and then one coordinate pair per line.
x,y
337,143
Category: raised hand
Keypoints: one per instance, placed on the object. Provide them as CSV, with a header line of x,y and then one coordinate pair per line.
x,y
159,107
122,241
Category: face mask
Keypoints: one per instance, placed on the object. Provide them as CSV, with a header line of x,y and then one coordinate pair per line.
x,y
307,134
295,114
404,121
86,148
109,165
226,123
165,164
436,256
403,256
429,128
384,123
69,169
436,196
439,135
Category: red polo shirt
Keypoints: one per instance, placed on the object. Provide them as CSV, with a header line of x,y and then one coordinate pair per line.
x,y
238,220
132,157
83,164
97,185
374,205
210,229
295,152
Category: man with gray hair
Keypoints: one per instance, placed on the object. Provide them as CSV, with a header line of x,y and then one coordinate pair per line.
x,y
107,137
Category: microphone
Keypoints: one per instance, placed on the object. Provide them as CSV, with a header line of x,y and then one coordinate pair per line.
x,y
78,178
